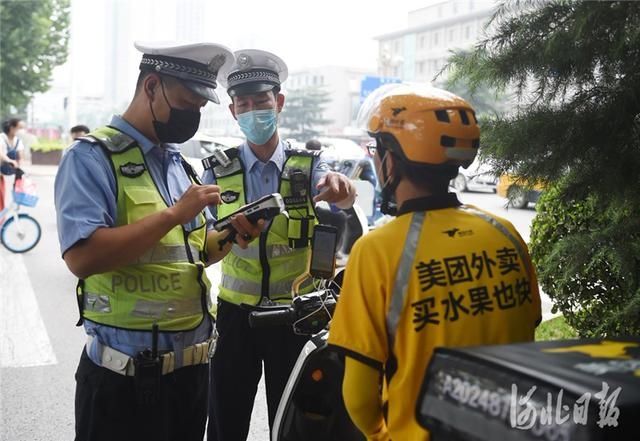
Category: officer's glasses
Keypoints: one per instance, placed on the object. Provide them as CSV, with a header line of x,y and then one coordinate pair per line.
x,y
372,147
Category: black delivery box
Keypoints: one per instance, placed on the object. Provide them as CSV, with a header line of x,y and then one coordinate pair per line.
x,y
565,390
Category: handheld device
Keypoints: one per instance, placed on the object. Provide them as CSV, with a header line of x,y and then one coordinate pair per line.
x,y
323,251
265,208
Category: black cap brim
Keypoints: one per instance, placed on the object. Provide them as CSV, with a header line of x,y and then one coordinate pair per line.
x,y
205,92
250,88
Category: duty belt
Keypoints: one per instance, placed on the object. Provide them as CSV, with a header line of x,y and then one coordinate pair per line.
x,y
123,364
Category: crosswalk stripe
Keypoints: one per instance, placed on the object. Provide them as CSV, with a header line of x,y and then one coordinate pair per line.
x,y
24,340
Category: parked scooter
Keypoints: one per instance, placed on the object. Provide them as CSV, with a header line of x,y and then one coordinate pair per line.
x,y
311,407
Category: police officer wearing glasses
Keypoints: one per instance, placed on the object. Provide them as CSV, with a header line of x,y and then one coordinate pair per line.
x,y
133,228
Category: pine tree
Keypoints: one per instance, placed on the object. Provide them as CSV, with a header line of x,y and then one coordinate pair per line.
x,y
303,112
575,69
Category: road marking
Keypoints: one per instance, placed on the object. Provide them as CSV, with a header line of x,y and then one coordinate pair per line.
x,y
24,340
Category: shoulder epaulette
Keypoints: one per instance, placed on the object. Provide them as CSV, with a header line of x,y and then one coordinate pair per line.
x,y
115,142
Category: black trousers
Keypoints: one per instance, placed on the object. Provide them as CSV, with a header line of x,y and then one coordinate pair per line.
x,y
236,369
106,406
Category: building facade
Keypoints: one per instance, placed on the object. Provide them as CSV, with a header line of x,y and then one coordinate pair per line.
x,y
420,52
343,87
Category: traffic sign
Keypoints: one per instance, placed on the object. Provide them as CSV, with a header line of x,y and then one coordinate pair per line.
x,y
371,83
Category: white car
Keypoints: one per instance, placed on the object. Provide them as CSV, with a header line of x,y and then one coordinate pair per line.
x,y
202,146
478,176
339,149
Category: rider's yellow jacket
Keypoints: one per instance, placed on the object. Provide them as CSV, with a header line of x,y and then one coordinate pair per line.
x,y
440,274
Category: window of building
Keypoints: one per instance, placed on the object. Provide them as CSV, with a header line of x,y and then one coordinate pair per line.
x,y
451,35
467,32
435,38
396,46
421,42
421,68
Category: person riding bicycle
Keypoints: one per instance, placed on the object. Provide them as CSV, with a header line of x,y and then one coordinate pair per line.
x,y
441,274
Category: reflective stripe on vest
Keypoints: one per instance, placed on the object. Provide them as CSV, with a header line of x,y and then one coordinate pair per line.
x,y
168,254
272,251
255,289
401,284
165,285
497,225
245,271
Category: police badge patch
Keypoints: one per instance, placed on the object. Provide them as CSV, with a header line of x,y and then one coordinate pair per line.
x,y
216,63
229,196
131,170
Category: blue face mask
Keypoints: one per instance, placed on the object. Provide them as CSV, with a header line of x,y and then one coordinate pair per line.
x,y
258,125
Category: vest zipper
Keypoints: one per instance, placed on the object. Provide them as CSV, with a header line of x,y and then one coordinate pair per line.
x,y
203,287
185,235
187,248
264,262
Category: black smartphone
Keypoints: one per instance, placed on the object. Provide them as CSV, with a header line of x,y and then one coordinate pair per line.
x,y
323,251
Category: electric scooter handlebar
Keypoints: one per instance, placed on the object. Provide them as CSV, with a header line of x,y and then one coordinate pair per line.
x,y
308,314
259,319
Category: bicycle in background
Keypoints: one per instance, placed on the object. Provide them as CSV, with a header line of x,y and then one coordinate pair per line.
x,y
20,232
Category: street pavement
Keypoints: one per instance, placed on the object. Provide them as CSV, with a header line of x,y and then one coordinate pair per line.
x,y
40,346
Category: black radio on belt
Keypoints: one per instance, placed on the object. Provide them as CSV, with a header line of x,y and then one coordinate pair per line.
x,y
148,371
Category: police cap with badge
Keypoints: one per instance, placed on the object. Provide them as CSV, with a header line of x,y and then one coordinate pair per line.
x,y
196,65
253,71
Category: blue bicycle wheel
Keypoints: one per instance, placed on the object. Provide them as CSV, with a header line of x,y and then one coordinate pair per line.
x,y
22,235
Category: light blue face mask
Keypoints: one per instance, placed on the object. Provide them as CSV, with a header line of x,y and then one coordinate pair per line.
x,y
258,125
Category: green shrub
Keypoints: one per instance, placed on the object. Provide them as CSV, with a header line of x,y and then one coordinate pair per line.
x,y
47,145
588,262
555,329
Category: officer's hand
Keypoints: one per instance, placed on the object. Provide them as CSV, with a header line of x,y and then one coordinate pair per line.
x,y
335,187
246,231
193,201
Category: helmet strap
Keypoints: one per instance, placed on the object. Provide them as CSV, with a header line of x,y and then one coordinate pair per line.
x,y
390,183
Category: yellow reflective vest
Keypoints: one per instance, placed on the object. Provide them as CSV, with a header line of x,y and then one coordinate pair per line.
x,y
268,267
167,285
